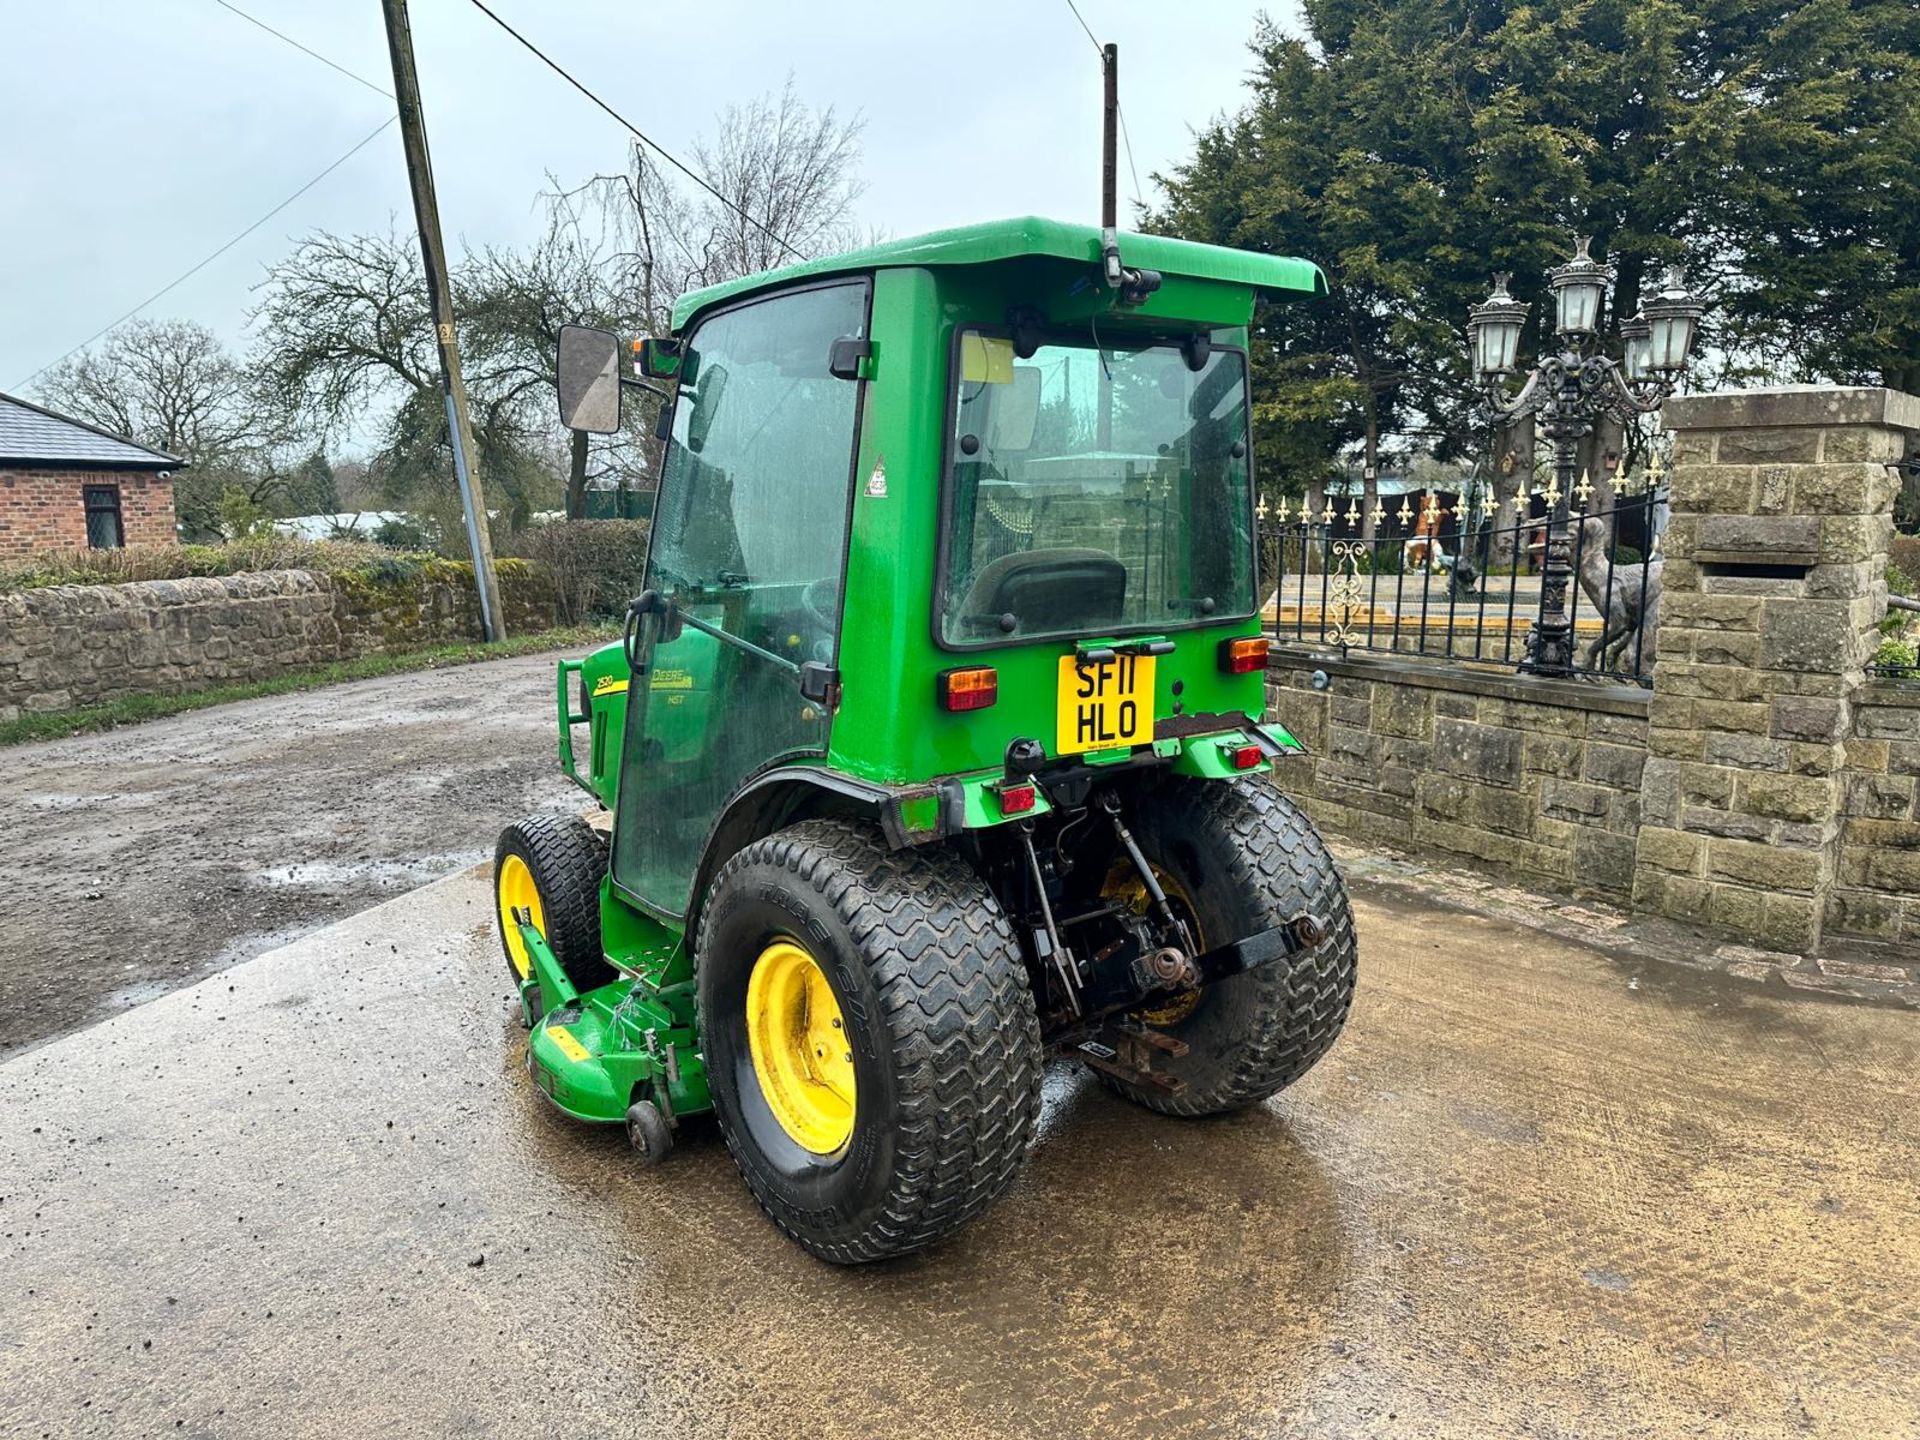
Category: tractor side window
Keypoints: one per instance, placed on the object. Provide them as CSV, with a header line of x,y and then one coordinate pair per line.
x,y
750,531
1095,489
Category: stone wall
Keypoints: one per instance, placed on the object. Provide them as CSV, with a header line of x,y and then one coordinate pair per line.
x,y
1766,787
71,645
1775,580
1876,880
1538,777
42,509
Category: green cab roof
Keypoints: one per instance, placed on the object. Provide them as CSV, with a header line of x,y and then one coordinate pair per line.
x,y
1028,235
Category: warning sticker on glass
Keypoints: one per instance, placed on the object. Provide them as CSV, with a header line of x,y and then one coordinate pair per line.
x,y
877,481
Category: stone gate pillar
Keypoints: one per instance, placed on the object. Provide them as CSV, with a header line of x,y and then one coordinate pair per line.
x,y
1774,578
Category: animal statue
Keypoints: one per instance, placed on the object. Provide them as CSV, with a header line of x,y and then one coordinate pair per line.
x,y
1628,600
1422,550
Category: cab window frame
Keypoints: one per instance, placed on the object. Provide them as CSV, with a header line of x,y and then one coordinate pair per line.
x,y
636,707
1084,339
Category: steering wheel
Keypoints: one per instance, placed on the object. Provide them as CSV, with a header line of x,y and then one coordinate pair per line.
x,y
821,600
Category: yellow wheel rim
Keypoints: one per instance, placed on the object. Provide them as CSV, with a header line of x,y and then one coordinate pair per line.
x,y
1125,886
513,889
802,1054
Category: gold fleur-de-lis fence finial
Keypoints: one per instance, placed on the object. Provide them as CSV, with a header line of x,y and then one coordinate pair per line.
x,y
1552,493
1405,513
1583,492
1327,516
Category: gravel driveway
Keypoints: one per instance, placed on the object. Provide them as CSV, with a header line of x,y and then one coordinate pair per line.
x,y
142,859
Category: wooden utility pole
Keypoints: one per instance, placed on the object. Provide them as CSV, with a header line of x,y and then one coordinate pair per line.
x,y
1109,218
413,136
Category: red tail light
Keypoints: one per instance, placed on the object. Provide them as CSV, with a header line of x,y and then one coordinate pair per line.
x,y
1242,757
1016,799
1243,657
970,689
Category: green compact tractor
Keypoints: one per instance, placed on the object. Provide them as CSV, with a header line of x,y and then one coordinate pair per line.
x,y
933,747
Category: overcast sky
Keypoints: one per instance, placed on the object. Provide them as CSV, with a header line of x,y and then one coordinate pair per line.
x,y
142,134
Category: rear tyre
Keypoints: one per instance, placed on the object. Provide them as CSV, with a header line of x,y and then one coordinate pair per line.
x,y
923,1116
1241,858
552,866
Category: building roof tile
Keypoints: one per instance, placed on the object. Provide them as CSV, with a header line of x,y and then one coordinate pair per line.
x,y
32,434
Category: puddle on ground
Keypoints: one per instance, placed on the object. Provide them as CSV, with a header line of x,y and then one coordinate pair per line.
x,y
377,874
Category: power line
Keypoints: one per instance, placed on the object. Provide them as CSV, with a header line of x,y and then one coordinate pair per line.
x,y
638,134
1086,27
182,279
1125,138
358,79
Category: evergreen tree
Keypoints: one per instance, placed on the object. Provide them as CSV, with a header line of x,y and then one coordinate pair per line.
x,y
1414,147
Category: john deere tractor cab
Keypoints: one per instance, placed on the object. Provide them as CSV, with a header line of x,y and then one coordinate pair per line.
x,y
933,747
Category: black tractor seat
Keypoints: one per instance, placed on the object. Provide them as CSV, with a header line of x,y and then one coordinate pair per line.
x,y
1065,589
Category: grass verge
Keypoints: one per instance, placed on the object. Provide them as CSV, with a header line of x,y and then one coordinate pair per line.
x,y
50,725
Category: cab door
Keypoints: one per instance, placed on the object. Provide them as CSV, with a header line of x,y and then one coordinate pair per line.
x,y
749,554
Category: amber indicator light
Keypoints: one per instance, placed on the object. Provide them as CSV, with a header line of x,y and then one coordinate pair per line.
x,y
1243,657
974,688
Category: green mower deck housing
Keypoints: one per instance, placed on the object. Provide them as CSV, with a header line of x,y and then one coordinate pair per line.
x,y
953,559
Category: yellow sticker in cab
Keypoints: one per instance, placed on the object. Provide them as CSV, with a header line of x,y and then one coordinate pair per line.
x,y
1104,704
569,1046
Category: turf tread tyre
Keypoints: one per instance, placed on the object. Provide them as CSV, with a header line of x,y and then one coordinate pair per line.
x,y
955,1019
1277,1020
568,857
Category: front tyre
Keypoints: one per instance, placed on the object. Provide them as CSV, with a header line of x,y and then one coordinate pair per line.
x,y
871,1043
550,866
1239,857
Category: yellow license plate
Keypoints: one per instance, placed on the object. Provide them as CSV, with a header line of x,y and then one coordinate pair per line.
x,y
1104,704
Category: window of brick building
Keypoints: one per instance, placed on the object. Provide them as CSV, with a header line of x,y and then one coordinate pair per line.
x,y
104,530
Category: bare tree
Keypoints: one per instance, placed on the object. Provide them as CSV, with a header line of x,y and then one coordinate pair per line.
x,y
346,343
346,340
172,384
166,383
788,176
516,302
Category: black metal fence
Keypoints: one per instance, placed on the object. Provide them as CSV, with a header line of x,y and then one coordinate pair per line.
x,y
1460,578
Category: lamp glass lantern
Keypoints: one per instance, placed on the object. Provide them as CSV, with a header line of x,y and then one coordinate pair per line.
x,y
1493,330
1673,320
1578,288
1636,337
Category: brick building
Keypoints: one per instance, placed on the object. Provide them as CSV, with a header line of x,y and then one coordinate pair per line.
x,y
67,485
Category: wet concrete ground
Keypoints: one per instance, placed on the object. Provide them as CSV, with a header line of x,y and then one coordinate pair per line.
x,y
139,860
1529,1193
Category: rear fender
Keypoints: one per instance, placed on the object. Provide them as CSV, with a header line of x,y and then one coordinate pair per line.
x,y
782,797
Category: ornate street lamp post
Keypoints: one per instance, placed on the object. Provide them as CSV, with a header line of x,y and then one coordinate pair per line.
x,y
1568,391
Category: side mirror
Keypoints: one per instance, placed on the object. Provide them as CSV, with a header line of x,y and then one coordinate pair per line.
x,y
659,358
587,375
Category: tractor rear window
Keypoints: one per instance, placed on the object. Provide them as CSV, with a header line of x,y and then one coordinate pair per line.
x,y
1095,490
